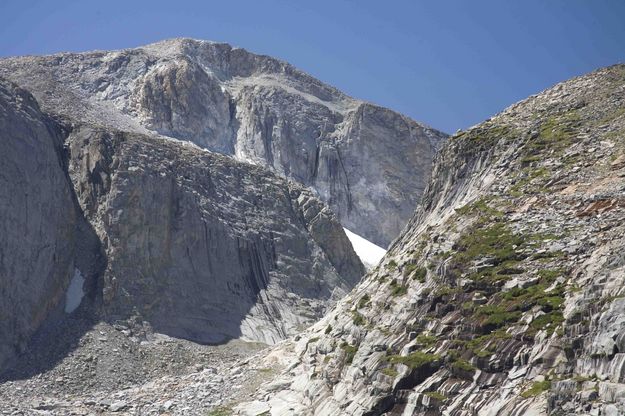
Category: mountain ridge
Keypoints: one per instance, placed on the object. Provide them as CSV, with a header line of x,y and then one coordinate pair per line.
x,y
254,108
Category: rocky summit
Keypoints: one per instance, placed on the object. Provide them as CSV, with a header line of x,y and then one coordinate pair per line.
x,y
368,163
180,222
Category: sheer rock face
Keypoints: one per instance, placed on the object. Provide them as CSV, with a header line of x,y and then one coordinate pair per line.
x,y
206,248
197,244
368,163
37,219
503,296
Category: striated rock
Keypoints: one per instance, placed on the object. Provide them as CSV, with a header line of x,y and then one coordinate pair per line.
x,y
368,163
537,327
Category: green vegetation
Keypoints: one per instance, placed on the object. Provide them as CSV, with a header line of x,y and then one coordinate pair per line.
x,y
526,178
389,371
436,395
549,255
556,134
364,301
479,207
328,329
357,318
418,273
313,340
414,360
537,388
463,365
525,298
495,241
391,265
495,316
445,291
548,322
350,352
221,411
485,345
549,275
398,289
490,133
426,340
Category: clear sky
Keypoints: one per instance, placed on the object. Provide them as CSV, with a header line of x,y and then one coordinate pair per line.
x,y
448,63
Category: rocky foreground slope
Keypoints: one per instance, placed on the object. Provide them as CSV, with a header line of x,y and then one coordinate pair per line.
x,y
504,295
137,228
368,163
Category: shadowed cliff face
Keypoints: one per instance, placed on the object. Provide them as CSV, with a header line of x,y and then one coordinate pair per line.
x,y
368,163
40,223
503,295
199,245
205,247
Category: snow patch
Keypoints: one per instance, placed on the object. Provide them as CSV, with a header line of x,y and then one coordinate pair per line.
x,y
369,253
75,292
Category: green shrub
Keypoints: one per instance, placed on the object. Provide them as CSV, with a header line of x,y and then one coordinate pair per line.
x,y
414,360
398,290
221,411
426,340
436,395
389,371
350,352
363,301
391,265
419,274
496,316
463,365
548,321
357,318
537,388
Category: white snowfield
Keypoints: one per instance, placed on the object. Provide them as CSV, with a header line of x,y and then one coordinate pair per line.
x,y
369,253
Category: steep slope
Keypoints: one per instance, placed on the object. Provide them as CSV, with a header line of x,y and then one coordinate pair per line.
x,y
504,294
125,226
368,163
204,247
39,223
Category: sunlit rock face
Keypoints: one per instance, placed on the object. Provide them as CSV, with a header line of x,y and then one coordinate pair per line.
x,y
503,295
368,163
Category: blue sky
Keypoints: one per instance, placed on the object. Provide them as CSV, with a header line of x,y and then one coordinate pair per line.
x,y
448,63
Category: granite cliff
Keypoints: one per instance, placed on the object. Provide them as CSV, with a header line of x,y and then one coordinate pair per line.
x,y
368,163
124,226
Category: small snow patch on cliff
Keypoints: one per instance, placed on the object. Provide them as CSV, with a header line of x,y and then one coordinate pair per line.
x,y
369,253
74,293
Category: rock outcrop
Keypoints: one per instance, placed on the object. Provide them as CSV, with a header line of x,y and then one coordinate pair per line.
x,y
204,247
140,227
368,163
503,296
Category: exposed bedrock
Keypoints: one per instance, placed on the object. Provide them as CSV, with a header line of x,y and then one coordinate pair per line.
x,y
368,163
